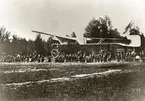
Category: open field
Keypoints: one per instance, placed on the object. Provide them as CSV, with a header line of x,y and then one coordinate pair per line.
x,y
72,82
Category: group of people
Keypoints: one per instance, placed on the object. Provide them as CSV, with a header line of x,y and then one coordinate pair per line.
x,y
5,57
84,57
130,56
101,56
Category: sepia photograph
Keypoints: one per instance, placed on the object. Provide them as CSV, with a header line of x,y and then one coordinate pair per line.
x,y
72,50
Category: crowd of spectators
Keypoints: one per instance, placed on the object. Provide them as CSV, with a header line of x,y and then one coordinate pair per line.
x,y
5,57
101,56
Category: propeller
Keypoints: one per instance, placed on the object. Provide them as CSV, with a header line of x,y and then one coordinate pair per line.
x,y
128,27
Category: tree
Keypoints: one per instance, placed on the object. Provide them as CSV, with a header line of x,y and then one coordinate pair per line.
x,y
93,29
30,46
23,46
113,33
73,35
101,28
135,31
49,43
7,36
2,34
15,39
39,45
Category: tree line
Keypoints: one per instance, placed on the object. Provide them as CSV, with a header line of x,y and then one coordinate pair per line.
x,y
96,28
12,44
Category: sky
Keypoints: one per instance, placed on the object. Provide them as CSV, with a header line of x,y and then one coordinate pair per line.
x,y
61,17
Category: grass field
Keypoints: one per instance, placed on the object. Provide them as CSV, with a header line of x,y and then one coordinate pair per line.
x,y
72,82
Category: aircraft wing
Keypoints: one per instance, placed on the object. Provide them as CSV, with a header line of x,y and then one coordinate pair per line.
x,y
62,39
